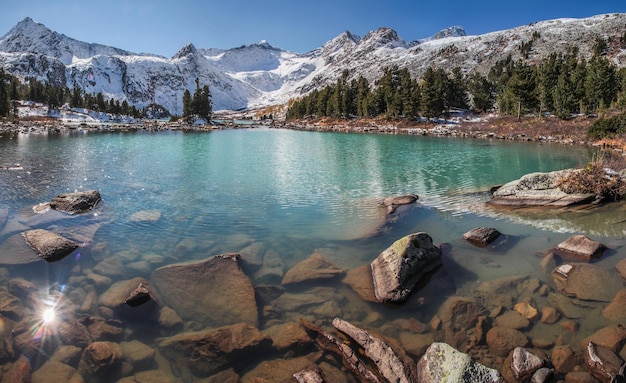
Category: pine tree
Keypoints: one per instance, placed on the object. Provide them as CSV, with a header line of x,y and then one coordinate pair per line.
x,y
187,106
482,92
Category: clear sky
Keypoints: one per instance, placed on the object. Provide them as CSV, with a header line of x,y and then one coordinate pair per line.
x,y
164,26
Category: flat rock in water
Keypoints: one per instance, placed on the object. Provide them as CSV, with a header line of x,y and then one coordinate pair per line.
x,y
443,363
482,236
360,280
396,271
539,189
616,310
48,245
587,282
312,268
146,216
581,246
208,351
392,203
214,292
76,203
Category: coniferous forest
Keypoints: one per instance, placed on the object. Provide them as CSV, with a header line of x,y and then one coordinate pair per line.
x,y
561,85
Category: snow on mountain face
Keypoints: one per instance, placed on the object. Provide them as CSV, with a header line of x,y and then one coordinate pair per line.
x,y
260,75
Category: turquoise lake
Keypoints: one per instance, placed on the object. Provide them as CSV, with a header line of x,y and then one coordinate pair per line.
x,y
294,193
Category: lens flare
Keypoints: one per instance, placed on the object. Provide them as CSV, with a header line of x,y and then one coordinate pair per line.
x,y
49,316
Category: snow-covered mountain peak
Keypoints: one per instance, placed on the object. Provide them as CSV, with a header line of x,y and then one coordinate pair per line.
x,y
453,31
382,37
185,51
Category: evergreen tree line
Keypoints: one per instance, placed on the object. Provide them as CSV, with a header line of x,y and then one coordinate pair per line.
x,y
11,89
561,85
199,104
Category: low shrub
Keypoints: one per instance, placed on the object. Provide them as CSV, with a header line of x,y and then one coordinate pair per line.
x,y
606,127
598,178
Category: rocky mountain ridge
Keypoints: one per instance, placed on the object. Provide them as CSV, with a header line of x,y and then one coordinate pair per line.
x,y
260,75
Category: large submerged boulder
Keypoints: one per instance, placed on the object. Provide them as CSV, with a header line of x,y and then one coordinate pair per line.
x,y
48,245
76,203
539,189
313,268
587,282
214,292
397,270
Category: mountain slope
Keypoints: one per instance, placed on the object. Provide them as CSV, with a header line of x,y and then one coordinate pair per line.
x,y
259,74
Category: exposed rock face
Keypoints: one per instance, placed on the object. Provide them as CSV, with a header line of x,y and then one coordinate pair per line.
x,y
206,352
581,246
214,292
76,203
390,365
524,364
482,236
588,282
48,245
538,189
396,271
442,363
392,203
312,268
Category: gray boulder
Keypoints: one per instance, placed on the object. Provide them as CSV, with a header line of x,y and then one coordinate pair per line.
x,y
48,245
76,203
213,293
481,236
396,271
539,189
443,363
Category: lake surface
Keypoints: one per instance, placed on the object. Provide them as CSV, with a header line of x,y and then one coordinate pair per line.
x,y
293,193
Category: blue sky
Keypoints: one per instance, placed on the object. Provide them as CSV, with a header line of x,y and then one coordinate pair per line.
x,y
163,27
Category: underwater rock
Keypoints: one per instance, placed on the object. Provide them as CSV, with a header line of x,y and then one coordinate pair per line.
x,y
392,203
396,271
312,375
512,319
138,354
502,340
76,203
131,298
443,363
587,282
524,363
581,246
206,352
539,189
48,245
611,337
616,310
101,360
145,216
360,280
54,371
481,236
312,268
563,359
184,288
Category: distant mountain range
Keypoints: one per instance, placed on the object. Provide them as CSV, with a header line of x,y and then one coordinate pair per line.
x,y
261,75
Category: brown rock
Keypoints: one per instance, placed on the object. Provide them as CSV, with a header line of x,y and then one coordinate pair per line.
x,y
563,359
396,271
360,280
481,236
502,340
512,319
48,245
278,370
621,268
392,203
101,359
54,372
569,325
10,306
603,364
138,354
549,315
131,298
526,309
588,282
312,268
169,319
76,203
580,377
548,263
184,288
19,372
612,338
208,351
581,246
289,336
616,310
